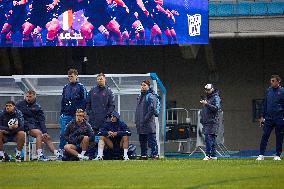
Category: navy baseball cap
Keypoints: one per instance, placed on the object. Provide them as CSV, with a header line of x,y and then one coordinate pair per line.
x,y
115,114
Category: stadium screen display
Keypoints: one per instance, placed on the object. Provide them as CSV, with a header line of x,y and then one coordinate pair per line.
x,y
27,23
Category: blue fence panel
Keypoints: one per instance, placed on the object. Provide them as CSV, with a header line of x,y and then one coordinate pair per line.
x,y
276,8
258,9
246,8
225,9
243,8
212,9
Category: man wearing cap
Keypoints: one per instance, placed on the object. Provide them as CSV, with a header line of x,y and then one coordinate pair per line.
x,y
272,116
100,103
114,132
145,121
210,119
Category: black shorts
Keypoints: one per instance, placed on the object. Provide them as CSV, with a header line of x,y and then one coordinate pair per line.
x,y
18,17
98,18
10,137
116,142
124,18
74,5
40,18
163,21
29,125
146,21
2,19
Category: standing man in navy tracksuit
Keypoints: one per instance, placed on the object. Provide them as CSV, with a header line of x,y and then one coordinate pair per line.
x,y
210,119
273,116
100,103
145,121
73,98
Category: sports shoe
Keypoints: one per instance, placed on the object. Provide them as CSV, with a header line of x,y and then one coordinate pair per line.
x,y
42,158
82,157
98,158
206,158
18,158
126,158
277,158
260,158
58,156
2,158
156,157
213,158
61,152
143,158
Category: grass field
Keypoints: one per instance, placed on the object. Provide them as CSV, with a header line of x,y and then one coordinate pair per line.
x,y
169,173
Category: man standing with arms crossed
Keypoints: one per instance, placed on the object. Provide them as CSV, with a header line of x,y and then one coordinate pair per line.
x,y
100,103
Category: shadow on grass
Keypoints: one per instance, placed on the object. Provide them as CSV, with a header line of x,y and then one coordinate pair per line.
x,y
205,185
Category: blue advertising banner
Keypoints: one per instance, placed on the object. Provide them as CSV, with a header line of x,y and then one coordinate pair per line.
x,y
29,23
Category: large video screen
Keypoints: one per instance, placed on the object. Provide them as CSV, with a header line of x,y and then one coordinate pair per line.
x,y
33,23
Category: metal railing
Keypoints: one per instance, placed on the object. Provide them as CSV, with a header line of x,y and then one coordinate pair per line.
x,y
182,115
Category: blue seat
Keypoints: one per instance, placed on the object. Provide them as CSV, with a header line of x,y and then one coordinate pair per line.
x,y
259,9
243,8
225,9
212,9
276,8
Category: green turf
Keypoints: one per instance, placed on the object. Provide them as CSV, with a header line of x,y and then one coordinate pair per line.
x,y
170,173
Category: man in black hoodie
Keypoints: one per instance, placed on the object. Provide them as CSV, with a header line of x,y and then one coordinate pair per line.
x,y
210,119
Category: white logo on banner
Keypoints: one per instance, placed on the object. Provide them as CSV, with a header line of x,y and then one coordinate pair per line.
x,y
194,23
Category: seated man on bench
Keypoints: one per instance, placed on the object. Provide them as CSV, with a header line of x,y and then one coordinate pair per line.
x,y
115,135
11,129
35,124
78,133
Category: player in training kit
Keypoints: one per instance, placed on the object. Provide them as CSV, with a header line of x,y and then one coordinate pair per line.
x,y
40,15
16,18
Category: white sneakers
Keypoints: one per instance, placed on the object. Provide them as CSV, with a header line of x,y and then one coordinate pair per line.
x,y
125,158
261,157
206,158
98,158
82,157
277,158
